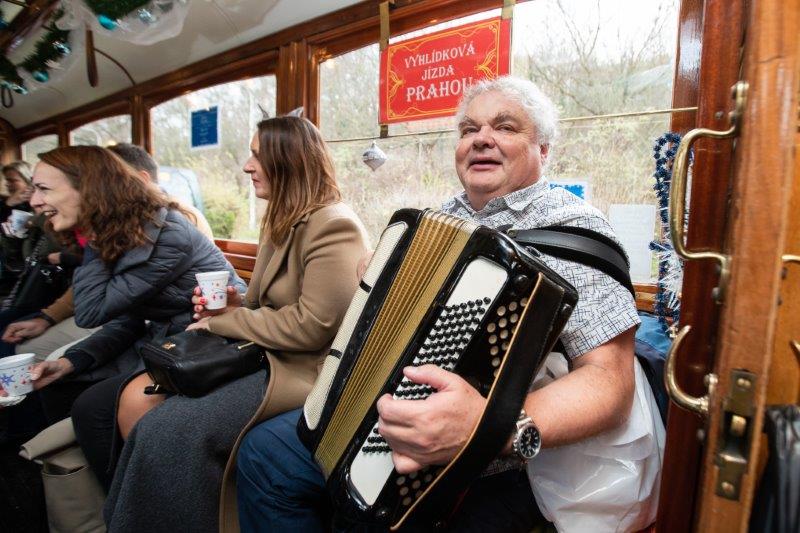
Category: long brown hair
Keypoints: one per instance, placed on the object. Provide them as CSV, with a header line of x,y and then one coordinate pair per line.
x,y
116,202
299,172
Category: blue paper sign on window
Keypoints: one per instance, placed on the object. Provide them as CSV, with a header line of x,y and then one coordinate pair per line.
x,y
578,188
205,128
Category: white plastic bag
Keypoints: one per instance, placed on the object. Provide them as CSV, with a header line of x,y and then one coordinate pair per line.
x,y
608,482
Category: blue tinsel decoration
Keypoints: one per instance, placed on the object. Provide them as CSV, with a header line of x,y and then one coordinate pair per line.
x,y
665,302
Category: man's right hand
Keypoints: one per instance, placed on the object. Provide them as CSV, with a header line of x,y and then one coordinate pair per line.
x,y
17,332
47,372
234,301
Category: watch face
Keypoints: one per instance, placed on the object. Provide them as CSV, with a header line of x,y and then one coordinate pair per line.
x,y
529,442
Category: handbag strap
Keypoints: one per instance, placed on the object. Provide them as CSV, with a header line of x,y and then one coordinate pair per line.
x,y
581,245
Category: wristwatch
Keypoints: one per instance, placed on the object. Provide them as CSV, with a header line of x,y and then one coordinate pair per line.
x,y
527,440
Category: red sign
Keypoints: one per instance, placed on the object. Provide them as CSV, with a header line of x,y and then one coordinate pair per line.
x,y
426,76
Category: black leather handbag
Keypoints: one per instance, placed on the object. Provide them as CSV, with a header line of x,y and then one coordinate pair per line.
x,y
39,284
193,363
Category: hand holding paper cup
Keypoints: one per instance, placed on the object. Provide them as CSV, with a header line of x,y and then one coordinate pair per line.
x,y
213,286
15,374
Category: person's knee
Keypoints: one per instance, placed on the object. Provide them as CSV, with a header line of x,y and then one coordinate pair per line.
x,y
84,414
253,456
273,459
93,409
134,404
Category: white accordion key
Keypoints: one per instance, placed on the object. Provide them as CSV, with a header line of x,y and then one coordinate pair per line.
x,y
480,283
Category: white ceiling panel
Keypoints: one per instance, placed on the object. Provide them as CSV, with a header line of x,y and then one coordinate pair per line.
x,y
211,27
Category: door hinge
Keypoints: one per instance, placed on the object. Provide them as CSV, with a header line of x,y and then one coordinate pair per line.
x,y
733,447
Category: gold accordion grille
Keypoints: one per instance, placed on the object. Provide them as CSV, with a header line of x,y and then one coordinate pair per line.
x,y
436,246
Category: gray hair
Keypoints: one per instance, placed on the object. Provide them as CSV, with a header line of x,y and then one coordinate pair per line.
x,y
537,105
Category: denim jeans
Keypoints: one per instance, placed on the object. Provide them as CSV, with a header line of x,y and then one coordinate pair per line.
x,y
281,488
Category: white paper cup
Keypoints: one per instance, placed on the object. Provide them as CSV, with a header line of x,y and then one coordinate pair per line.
x,y
15,374
214,287
18,219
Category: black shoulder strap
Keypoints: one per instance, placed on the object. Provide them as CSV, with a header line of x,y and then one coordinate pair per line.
x,y
580,245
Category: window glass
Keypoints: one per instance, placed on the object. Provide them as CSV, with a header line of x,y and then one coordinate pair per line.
x,y
595,58
38,145
419,169
212,178
103,132
598,58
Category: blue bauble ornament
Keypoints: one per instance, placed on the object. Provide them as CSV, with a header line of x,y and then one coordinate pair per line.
x,y
146,16
62,47
107,22
40,75
19,89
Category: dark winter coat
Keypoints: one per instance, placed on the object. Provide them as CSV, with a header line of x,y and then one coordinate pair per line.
x,y
152,282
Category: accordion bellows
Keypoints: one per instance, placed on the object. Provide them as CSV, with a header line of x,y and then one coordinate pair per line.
x,y
438,290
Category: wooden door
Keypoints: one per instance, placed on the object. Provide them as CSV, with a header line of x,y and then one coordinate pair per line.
x,y
752,337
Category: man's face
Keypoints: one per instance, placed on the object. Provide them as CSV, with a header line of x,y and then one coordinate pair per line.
x,y
497,152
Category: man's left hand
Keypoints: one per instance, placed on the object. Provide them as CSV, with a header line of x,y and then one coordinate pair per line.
x,y
430,431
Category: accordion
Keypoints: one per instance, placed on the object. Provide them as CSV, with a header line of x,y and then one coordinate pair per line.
x,y
438,290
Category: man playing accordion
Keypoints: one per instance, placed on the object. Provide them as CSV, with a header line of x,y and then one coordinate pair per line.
x,y
506,129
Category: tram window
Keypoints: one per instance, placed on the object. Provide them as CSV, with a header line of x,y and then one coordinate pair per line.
x,y
614,57
103,132
419,170
225,192
626,69
36,146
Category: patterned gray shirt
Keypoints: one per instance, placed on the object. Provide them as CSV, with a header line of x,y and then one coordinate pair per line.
x,y
605,308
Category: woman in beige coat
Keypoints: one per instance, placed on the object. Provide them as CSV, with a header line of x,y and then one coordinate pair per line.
x,y
169,475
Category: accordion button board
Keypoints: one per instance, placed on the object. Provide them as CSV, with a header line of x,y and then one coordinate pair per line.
x,y
442,291
443,346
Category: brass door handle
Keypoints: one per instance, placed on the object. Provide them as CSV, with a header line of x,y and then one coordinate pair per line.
x,y
677,193
676,393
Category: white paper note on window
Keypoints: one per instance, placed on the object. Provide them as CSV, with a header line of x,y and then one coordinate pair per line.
x,y
635,225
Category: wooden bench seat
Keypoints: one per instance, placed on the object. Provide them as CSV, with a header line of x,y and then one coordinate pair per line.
x,y
242,255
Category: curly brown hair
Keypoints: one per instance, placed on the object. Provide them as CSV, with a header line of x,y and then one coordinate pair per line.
x,y
116,202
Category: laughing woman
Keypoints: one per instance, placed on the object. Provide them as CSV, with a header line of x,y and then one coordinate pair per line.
x,y
170,472
136,279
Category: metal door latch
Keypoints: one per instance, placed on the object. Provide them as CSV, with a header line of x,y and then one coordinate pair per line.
x,y
733,448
